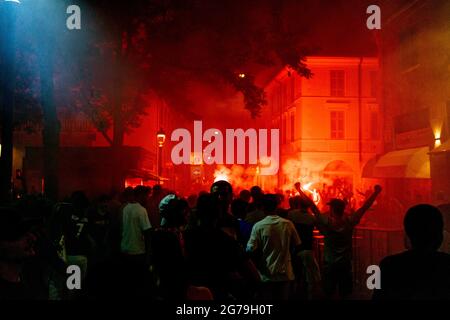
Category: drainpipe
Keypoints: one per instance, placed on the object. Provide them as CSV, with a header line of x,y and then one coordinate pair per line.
x,y
360,109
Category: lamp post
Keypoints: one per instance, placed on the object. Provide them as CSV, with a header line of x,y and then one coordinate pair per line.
x,y
8,8
160,138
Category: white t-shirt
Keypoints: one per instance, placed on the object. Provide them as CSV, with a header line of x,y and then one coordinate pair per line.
x,y
134,223
275,237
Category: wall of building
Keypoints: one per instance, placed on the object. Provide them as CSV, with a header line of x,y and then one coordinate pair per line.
x,y
303,112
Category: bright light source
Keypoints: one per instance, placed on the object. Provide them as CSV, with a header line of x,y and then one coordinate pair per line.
x,y
437,136
437,142
241,75
161,138
216,132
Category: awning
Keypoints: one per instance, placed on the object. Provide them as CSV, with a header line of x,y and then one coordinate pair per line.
x,y
408,163
367,171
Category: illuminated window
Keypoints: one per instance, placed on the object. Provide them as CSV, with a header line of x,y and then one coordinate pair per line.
x,y
337,83
337,125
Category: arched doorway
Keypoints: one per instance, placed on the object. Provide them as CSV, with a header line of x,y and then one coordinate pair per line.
x,y
338,179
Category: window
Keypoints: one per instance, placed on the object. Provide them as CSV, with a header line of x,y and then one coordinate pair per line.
x,y
373,84
374,130
292,126
337,124
284,130
337,83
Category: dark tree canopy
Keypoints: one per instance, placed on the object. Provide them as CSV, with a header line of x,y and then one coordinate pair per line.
x,y
161,46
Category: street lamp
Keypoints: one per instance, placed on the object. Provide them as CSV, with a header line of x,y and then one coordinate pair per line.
x,y
160,138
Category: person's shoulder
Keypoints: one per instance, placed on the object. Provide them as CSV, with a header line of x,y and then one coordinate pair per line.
x,y
285,221
139,208
444,257
397,259
293,213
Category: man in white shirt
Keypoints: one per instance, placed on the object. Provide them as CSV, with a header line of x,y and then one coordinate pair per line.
x,y
135,239
275,239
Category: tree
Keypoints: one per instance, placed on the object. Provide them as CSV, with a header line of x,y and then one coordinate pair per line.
x,y
162,45
149,45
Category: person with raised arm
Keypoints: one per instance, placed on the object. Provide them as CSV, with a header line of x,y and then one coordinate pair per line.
x,y
337,229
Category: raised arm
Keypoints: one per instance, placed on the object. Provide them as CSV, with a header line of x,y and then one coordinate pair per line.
x,y
367,204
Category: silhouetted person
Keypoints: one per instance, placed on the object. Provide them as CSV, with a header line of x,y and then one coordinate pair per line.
x,y
214,258
239,210
421,272
152,205
337,229
222,191
275,240
245,195
135,242
255,211
16,247
304,223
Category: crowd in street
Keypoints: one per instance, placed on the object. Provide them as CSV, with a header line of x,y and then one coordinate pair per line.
x,y
151,243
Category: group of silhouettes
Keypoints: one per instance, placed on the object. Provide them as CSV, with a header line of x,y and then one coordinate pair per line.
x,y
150,243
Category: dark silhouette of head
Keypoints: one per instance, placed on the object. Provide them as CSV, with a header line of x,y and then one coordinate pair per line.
x,y
293,203
128,195
79,199
256,192
424,225
223,192
298,202
245,195
207,212
176,212
157,189
141,194
239,208
270,203
337,207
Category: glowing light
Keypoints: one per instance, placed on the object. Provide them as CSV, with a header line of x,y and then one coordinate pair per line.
x,y
241,75
437,142
437,137
222,174
313,193
161,138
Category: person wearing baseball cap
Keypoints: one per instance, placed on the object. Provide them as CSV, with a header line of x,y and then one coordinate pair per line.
x,y
337,229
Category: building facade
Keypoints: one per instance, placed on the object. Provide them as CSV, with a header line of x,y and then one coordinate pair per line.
x,y
415,61
330,124
78,133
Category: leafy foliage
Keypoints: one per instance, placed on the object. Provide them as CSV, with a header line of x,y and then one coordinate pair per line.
x,y
160,46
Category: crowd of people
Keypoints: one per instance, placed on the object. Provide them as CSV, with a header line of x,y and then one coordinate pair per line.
x,y
150,243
